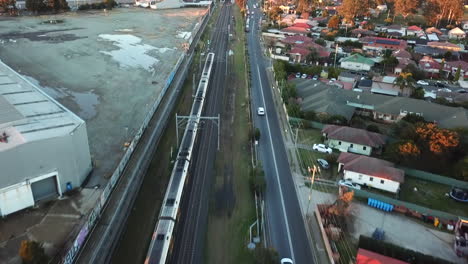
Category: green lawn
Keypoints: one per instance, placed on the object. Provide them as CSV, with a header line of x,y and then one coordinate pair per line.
x,y
399,19
431,195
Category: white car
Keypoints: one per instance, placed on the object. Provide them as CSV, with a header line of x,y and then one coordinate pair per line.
x,y
298,75
349,184
304,76
421,82
286,261
323,163
261,111
322,148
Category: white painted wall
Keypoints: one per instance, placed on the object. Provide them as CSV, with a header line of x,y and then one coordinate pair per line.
x,y
15,198
355,66
363,179
349,147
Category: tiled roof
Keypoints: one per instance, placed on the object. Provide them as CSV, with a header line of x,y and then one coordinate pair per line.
x,y
414,28
443,45
297,39
371,166
302,51
401,53
301,25
295,30
354,135
456,64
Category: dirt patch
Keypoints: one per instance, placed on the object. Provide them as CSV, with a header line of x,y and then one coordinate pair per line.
x,y
44,35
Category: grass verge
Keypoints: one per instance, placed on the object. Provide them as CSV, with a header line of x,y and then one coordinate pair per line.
x,y
232,207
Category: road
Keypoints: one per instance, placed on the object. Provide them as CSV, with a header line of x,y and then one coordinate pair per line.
x,y
284,221
191,229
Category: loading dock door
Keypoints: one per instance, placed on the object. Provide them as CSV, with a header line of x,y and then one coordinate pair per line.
x,y
44,189
15,199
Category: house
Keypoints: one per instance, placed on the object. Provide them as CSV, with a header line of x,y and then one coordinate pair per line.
x,y
348,77
430,66
386,85
395,29
380,44
434,30
326,99
355,140
369,257
452,67
297,39
295,31
444,45
358,32
357,62
456,33
364,85
372,172
401,54
299,55
428,51
465,25
402,64
414,31
432,37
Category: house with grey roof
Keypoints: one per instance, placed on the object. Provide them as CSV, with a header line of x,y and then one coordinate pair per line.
x,y
355,140
323,98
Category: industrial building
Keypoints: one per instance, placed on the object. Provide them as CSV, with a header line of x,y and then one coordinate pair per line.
x,y
44,147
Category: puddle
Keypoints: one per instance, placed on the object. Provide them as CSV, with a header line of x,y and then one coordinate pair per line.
x,y
132,52
87,101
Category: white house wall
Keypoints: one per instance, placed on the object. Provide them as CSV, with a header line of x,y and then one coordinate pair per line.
x,y
363,179
346,147
355,66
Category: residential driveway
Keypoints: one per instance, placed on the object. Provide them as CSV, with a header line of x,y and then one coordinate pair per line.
x,y
399,229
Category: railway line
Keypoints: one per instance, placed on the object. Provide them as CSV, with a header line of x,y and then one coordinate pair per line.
x,y
190,239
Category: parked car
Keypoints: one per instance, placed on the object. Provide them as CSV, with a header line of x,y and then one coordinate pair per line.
x,y
422,82
304,76
315,78
323,163
298,75
349,184
440,85
322,148
286,261
261,111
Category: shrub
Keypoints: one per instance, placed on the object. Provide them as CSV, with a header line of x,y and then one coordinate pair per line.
x,y
373,128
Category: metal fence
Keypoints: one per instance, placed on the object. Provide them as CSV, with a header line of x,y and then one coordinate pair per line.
x,y
434,177
411,206
71,253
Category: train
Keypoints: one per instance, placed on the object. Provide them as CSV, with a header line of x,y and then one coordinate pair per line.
x,y
162,238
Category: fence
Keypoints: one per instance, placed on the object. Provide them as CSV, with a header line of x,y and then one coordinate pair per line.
x,y
294,121
97,210
434,177
414,207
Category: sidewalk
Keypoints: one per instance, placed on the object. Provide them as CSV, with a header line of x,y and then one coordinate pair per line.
x,y
312,228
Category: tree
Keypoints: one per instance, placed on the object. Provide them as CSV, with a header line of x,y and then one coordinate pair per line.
x,y
350,9
321,42
418,93
437,139
257,134
275,13
9,6
416,73
32,252
325,13
405,81
408,148
443,12
461,169
313,55
457,74
373,128
257,179
35,5
414,119
334,22
405,7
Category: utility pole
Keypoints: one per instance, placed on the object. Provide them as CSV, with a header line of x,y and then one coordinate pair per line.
x,y
336,53
311,171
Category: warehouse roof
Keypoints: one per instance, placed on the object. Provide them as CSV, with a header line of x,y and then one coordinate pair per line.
x,y
28,114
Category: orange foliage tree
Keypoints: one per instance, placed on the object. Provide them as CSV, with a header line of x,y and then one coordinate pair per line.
x,y
438,139
409,149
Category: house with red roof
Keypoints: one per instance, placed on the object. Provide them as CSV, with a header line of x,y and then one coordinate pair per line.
x,y
302,25
372,172
414,31
444,45
452,67
369,257
379,44
350,139
295,31
299,55
297,39
430,66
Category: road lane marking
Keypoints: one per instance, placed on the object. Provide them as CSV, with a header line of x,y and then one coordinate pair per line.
x,y
276,167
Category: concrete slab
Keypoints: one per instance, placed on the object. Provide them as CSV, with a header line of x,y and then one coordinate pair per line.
x,y
107,67
399,229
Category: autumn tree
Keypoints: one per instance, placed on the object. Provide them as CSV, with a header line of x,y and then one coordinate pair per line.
x,y
405,7
8,6
275,13
32,252
408,148
457,74
438,12
334,22
350,9
437,139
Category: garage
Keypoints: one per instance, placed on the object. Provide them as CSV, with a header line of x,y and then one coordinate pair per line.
x,y
15,198
45,189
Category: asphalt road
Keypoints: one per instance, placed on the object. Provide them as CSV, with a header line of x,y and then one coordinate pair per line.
x,y
284,222
191,230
